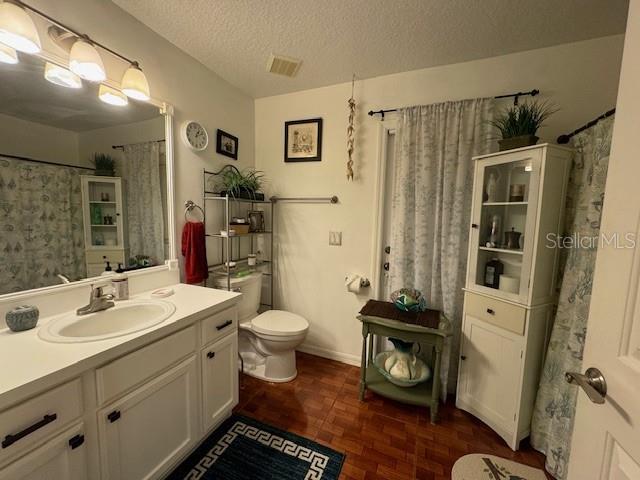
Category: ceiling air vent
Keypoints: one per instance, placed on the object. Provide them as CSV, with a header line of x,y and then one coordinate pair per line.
x,y
281,65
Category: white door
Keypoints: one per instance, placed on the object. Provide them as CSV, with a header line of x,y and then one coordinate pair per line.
x,y
606,437
490,368
219,380
62,458
144,433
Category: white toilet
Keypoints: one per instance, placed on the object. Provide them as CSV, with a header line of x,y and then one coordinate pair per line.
x,y
267,341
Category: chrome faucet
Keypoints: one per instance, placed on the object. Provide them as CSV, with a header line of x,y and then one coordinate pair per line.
x,y
98,300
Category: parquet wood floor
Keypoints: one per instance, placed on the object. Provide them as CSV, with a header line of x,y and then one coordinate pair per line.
x,y
382,439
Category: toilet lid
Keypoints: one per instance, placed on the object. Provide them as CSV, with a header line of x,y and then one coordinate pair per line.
x,y
279,322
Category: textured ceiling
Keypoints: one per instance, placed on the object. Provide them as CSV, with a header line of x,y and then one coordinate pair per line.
x,y
369,37
25,94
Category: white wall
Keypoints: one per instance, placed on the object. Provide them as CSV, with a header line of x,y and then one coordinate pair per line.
x,y
581,78
37,141
174,77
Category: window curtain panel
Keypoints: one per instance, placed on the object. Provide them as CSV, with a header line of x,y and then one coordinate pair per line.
x,y
144,206
40,223
554,410
431,206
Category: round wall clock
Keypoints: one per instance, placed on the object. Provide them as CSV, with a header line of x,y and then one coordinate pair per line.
x,y
195,136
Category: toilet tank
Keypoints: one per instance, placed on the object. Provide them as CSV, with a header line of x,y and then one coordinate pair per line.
x,y
251,288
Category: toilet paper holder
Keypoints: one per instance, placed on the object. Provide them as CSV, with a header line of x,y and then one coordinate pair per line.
x,y
364,282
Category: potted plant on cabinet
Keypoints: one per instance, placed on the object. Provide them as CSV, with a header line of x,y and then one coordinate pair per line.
x,y
105,165
519,124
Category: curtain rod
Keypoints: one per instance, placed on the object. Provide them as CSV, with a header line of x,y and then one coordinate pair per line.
x,y
515,96
562,139
117,147
45,162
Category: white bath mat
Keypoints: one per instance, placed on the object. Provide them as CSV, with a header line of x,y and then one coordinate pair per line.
x,y
489,467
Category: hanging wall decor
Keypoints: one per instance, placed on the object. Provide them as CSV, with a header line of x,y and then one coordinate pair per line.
x,y
350,130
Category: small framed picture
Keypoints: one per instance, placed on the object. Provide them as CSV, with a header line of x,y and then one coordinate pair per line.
x,y
303,140
227,144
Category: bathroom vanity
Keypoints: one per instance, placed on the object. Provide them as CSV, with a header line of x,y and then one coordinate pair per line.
x,y
129,407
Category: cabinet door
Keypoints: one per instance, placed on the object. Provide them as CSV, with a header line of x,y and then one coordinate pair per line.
x,y
490,372
505,199
219,380
143,433
62,458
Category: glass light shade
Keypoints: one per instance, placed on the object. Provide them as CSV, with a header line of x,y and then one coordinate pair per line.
x,y
112,96
8,54
17,29
134,83
85,61
61,76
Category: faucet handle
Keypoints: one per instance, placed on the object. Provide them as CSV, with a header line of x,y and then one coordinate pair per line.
x,y
97,289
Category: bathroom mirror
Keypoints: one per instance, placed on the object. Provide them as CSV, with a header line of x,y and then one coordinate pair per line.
x,y
83,183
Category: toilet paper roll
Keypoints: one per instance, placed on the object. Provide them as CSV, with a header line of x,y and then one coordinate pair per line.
x,y
509,284
353,283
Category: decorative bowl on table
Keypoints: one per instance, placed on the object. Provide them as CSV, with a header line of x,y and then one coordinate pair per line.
x,y
423,372
409,300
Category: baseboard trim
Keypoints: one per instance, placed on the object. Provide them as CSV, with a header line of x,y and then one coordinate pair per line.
x,y
330,354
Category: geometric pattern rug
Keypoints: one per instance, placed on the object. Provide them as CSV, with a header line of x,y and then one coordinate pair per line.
x,y
489,467
245,449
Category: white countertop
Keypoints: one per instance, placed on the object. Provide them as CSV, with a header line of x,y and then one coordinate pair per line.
x,y
29,364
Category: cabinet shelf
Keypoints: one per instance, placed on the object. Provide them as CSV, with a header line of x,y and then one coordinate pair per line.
x,y
250,234
500,204
502,250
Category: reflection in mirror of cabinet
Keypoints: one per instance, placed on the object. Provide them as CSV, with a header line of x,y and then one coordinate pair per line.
x,y
505,329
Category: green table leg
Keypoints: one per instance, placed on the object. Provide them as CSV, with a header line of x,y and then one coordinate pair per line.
x,y
435,396
363,363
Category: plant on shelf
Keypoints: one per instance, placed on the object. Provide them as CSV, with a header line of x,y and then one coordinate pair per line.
x,y
242,184
105,165
519,124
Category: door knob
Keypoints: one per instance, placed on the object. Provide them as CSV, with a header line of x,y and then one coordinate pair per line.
x,y
592,382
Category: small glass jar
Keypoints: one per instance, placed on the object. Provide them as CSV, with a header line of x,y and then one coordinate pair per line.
x,y
252,260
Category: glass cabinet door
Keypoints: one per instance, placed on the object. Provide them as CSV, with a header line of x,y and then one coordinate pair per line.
x,y
503,224
105,226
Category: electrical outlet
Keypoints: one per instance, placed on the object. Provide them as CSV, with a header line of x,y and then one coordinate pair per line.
x,y
335,238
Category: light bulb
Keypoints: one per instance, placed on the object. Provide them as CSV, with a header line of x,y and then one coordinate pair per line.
x,y
112,96
17,29
8,54
85,61
61,76
134,83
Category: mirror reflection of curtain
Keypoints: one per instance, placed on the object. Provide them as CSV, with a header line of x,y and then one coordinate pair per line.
x,y
41,231
144,206
431,206
555,407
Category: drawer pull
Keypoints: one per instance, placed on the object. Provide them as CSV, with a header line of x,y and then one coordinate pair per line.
x,y
224,325
474,225
76,441
490,311
11,439
113,416
463,357
211,354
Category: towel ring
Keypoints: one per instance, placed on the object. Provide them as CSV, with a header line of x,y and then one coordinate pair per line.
x,y
190,205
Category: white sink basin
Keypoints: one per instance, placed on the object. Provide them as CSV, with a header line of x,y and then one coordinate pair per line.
x,y
126,317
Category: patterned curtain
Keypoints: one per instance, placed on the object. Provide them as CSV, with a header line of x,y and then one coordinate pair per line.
x,y
144,206
554,410
41,231
431,206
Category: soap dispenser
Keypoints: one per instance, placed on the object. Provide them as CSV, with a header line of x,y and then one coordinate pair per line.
x,y
120,284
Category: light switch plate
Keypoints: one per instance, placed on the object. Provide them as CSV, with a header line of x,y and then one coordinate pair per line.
x,y
335,238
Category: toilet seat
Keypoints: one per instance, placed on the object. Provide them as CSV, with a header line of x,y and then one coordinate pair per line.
x,y
279,323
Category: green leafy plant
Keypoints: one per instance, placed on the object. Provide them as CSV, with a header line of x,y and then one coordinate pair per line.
x,y
241,183
105,164
523,119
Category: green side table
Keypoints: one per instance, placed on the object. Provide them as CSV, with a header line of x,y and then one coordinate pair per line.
x,y
424,394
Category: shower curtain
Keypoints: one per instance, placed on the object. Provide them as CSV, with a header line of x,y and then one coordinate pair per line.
x,y
144,206
431,206
555,405
41,231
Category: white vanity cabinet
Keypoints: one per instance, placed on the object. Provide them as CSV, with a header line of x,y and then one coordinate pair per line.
x,y
219,380
506,324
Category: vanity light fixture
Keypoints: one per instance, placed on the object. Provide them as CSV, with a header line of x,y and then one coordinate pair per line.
x,y
85,61
8,54
134,83
61,76
112,96
17,29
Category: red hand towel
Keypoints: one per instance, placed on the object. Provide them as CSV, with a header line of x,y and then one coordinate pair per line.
x,y
194,251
